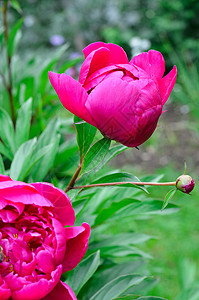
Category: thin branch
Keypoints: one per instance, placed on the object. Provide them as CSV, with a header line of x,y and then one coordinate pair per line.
x,y
173,183
9,86
74,178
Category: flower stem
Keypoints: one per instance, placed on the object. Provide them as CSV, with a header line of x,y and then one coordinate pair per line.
x,y
9,85
173,183
74,178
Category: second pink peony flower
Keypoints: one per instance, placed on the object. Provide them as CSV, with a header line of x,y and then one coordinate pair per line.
x,y
123,99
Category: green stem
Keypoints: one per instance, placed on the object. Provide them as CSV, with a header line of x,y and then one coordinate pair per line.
x,y
173,183
74,178
9,85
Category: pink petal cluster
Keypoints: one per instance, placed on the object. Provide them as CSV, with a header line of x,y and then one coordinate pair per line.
x,y
36,247
123,99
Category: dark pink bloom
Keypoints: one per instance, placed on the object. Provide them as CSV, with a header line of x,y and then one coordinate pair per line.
x,y
36,248
122,99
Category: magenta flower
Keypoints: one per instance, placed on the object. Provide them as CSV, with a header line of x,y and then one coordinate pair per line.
x,y
35,246
122,99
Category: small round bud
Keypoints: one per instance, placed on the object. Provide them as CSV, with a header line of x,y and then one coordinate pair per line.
x,y
185,183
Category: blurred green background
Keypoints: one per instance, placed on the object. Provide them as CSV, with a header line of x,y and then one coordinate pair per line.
x,y
171,27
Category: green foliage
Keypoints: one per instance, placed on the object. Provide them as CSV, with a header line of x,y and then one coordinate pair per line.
x,y
21,161
95,155
77,278
168,197
14,37
85,135
117,286
23,123
7,133
2,170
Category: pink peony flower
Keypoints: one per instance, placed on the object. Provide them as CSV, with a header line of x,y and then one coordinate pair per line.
x,y
36,248
122,99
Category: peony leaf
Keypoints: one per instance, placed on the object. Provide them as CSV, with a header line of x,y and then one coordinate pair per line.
x,y
49,136
16,6
85,136
7,130
6,151
21,161
2,170
77,278
95,155
14,37
168,197
150,298
129,207
23,123
117,286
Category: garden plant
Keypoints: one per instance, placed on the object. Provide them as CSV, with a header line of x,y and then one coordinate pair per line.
x,y
66,217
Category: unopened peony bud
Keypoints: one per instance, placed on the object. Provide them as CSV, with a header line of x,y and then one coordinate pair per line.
x,y
185,183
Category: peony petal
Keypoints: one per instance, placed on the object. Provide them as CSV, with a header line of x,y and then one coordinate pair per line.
x,y
108,103
151,62
61,292
61,202
76,245
95,61
121,105
71,94
167,83
16,191
117,54
33,290
60,236
4,178
45,261
5,292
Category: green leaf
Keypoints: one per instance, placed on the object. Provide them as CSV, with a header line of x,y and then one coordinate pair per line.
x,y
85,135
14,37
144,287
49,136
69,64
187,273
22,159
16,6
122,251
130,238
77,278
66,152
120,177
95,155
150,298
191,294
43,80
129,207
128,297
2,170
100,279
7,130
168,197
6,151
117,286
38,155
23,123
